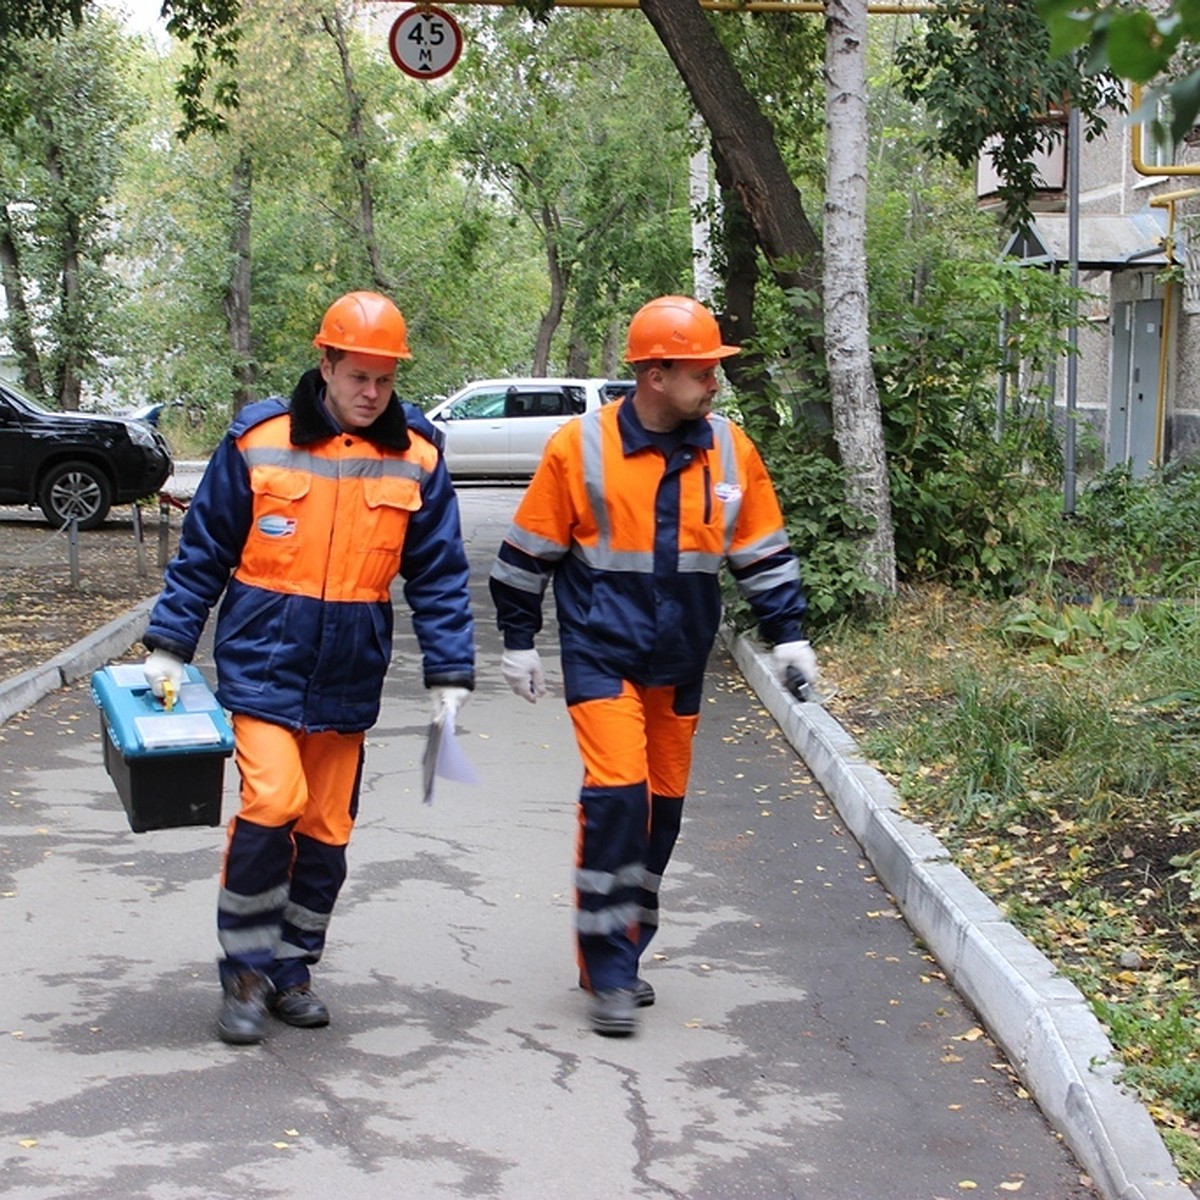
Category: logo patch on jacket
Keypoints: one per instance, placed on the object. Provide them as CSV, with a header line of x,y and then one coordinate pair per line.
x,y
277,527
727,493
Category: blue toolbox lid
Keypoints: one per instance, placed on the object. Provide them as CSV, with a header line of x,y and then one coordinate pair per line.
x,y
141,727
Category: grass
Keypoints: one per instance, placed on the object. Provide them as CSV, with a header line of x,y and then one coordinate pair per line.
x,y
1055,750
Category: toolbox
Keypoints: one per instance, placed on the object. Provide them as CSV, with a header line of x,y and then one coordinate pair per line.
x,y
168,764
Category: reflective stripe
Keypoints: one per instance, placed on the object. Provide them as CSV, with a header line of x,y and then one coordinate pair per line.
x,y
305,918
592,436
723,437
238,943
651,882
533,544
325,468
608,920
698,563
649,916
748,555
524,581
764,581
246,906
285,950
604,883
604,558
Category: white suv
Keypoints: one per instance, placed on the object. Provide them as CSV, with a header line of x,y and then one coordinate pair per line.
x,y
498,428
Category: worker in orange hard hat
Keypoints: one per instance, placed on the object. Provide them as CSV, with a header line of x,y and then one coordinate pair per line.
x,y
632,512
306,513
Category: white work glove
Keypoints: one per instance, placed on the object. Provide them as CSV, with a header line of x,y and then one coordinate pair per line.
x,y
447,700
795,656
162,667
522,670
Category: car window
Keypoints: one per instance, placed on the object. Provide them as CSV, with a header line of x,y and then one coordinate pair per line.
x,y
478,406
543,403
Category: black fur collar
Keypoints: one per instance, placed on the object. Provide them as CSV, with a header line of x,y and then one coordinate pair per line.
x,y
310,422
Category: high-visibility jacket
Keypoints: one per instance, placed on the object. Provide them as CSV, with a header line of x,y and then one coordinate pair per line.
x,y
304,528
635,541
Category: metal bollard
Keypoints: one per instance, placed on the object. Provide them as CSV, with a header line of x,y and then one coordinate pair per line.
x,y
139,540
164,531
73,550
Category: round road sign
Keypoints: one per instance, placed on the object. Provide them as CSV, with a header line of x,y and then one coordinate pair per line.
x,y
425,42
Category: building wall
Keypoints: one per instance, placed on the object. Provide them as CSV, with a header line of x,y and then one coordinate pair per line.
x,y
1109,184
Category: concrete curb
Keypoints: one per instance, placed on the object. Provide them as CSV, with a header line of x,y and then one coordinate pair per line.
x,y
1041,1020
108,642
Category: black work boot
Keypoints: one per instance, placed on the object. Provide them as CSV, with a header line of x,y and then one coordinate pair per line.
x,y
243,1019
300,1006
614,1013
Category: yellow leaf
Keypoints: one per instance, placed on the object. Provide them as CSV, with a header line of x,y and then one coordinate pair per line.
x,y
28,1143
1012,1185
967,1185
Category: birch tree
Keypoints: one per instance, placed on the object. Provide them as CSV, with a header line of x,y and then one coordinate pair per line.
x,y
857,421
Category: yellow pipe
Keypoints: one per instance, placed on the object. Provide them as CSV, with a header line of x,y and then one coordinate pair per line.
x,y
773,6
1135,147
1168,201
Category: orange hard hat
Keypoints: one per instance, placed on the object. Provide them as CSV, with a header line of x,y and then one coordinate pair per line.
x,y
366,323
674,327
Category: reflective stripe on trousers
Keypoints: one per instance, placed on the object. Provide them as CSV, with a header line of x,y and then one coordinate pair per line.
x,y
285,857
637,752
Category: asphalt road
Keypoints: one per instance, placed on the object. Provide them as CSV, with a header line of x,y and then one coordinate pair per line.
x,y
803,1045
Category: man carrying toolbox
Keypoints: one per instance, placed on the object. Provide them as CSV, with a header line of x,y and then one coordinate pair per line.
x,y
307,512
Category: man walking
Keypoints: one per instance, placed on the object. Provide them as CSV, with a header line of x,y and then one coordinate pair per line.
x,y
307,512
633,510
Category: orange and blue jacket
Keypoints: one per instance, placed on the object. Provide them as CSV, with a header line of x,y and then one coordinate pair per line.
x,y
635,541
304,527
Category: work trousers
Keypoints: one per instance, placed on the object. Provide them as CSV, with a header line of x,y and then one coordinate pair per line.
x,y
636,748
285,856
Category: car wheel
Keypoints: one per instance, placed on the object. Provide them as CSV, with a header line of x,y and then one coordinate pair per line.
x,y
75,489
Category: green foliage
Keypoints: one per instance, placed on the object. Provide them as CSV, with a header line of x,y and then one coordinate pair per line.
x,y
68,105
1150,44
987,72
1068,633
598,181
1136,537
822,528
969,506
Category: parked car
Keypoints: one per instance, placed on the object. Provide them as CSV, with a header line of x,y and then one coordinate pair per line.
x,y
75,464
498,428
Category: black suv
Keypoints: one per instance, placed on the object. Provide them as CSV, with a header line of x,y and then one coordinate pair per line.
x,y
75,464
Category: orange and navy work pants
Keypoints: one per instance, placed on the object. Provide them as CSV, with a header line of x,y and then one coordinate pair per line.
x,y
636,747
285,855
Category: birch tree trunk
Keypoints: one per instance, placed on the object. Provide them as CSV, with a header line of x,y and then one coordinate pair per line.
x,y
236,298
857,421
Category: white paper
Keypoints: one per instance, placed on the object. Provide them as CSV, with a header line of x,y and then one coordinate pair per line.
x,y
452,761
444,757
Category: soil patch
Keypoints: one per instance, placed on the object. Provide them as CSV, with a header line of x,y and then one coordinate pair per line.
x,y
51,597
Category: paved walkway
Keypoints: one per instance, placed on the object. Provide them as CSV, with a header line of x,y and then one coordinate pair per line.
x,y
805,1043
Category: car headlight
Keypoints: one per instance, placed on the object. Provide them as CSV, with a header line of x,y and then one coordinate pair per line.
x,y
141,435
